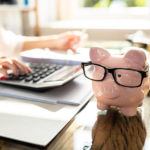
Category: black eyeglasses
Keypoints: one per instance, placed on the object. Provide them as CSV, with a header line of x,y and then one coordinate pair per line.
x,y
122,76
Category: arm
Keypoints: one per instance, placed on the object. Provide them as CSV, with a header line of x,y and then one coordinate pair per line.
x,y
39,42
63,41
13,44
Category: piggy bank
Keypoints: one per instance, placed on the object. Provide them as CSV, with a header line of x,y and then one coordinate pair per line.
x,y
119,81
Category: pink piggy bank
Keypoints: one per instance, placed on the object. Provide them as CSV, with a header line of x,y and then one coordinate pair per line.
x,y
118,80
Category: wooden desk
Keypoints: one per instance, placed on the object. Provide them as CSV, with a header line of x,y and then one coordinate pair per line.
x,y
77,134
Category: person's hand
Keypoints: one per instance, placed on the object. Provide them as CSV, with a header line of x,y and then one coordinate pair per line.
x,y
13,66
70,40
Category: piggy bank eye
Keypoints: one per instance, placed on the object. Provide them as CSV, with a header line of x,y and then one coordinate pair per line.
x,y
128,77
119,75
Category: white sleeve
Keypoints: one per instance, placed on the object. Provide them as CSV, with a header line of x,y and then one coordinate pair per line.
x,y
10,43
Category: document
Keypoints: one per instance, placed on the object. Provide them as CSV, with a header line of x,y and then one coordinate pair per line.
x,y
72,93
48,56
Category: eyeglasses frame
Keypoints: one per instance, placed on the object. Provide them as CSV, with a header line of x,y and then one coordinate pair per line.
x,y
112,71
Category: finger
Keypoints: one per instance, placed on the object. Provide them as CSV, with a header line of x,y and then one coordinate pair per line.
x,y
3,74
75,40
10,66
23,69
74,46
73,50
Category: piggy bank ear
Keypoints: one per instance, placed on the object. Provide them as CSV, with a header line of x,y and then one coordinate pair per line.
x,y
136,55
98,54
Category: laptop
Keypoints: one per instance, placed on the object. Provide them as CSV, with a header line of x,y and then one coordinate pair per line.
x,y
44,76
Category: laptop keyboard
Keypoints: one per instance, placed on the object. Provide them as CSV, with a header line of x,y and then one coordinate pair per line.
x,y
39,72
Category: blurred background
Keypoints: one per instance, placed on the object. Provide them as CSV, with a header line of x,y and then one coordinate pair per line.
x,y
101,19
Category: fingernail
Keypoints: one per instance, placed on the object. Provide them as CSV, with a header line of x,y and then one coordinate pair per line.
x,y
3,78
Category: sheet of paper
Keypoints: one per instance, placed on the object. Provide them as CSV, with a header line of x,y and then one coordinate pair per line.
x,y
72,93
48,56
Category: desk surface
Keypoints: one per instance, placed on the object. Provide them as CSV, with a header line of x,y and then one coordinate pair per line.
x,y
77,133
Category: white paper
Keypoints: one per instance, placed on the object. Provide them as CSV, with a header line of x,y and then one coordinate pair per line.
x,y
72,93
47,56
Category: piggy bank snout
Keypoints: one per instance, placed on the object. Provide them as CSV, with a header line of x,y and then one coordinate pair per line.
x,y
108,89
